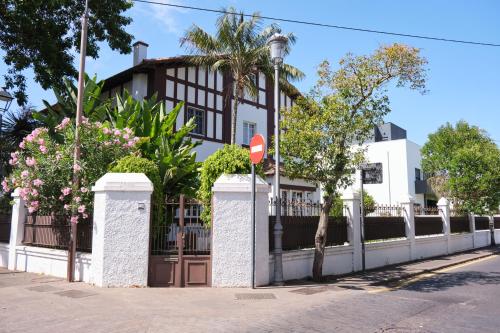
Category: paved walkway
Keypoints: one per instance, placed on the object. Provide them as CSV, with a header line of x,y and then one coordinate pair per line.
x,y
31,302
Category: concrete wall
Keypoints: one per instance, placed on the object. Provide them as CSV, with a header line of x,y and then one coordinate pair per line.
x,y
4,254
381,254
52,262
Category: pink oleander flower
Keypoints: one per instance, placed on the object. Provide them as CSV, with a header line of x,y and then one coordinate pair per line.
x,y
34,204
106,130
84,190
36,132
78,199
43,149
116,142
130,144
31,210
76,167
61,197
128,130
14,154
67,207
12,162
126,136
74,219
41,141
107,143
63,123
25,174
34,192
5,186
38,182
117,132
30,161
30,138
81,209
136,139
66,191
22,145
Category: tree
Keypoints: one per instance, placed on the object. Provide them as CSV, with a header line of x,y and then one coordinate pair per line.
x,y
239,47
463,163
338,205
231,159
322,131
44,35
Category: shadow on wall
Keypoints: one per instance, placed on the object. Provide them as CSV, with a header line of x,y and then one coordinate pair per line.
x,y
444,281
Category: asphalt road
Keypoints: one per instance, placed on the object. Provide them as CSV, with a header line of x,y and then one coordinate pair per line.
x,y
464,298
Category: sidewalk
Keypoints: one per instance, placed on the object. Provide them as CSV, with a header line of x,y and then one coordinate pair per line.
x,y
32,302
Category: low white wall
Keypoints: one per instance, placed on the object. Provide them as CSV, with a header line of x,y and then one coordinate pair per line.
x,y
482,238
52,262
461,242
497,236
298,264
4,254
430,246
386,253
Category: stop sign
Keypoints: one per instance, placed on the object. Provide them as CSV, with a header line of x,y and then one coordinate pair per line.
x,y
257,148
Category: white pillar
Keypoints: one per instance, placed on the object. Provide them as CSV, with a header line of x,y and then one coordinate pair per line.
x,y
352,205
472,227
120,243
17,228
444,210
232,232
409,215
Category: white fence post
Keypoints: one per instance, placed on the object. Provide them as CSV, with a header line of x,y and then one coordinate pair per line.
x,y
17,228
472,226
120,242
352,205
444,210
409,215
232,232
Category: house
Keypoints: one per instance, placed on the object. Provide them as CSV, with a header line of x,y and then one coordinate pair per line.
x,y
400,162
207,98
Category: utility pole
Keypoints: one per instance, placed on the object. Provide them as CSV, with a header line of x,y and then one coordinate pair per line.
x,y
76,156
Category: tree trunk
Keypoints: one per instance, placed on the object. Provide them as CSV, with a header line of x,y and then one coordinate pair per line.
x,y
320,239
234,114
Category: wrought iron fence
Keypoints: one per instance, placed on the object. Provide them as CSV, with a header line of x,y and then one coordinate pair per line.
x,y
196,236
419,210
459,221
54,232
385,211
384,222
300,222
5,221
496,221
482,222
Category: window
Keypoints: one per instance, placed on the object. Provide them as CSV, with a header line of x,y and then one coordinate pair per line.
x,y
248,132
418,174
199,120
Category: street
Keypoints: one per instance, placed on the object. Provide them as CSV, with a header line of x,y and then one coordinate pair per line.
x,y
463,298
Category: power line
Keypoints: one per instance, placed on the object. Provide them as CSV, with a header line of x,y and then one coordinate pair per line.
x,y
325,25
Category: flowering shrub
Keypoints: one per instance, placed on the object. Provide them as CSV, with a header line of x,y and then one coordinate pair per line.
x,y
43,167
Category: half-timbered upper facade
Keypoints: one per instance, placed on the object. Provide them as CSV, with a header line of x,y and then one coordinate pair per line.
x,y
207,98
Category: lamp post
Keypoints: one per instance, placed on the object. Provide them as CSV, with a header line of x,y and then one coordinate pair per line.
x,y
277,44
6,100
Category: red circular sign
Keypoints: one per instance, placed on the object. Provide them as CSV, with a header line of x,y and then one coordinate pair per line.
x,y
257,148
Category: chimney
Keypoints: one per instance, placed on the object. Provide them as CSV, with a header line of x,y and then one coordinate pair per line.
x,y
140,52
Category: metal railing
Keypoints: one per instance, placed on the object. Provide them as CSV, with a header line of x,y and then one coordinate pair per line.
x,y
5,222
54,232
384,222
482,222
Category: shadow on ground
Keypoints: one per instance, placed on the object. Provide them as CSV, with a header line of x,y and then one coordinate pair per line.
x,y
443,281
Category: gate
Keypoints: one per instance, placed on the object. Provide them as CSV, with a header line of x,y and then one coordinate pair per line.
x,y
180,248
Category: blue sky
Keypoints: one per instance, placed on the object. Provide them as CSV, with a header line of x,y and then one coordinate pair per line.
x,y
463,80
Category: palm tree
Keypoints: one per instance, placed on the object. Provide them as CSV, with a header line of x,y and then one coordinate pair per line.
x,y
239,47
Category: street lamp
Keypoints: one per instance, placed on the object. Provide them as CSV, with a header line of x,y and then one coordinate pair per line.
x,y
5,101
277,44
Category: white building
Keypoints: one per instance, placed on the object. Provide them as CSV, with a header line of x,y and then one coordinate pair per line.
x,y
400,161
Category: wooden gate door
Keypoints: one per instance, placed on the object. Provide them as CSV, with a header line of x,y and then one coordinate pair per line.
x,y
179,251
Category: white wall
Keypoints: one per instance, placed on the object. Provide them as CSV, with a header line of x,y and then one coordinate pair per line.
x,y
52,262
4,254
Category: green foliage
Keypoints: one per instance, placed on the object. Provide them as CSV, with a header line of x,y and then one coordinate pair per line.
x,y
323,129
44,36
231,159
239,47
94,107
170,148
135,164
338,205
43,167
463,163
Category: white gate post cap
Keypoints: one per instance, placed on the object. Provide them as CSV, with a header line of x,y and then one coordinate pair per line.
x,y
120,182
239,183
443,202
